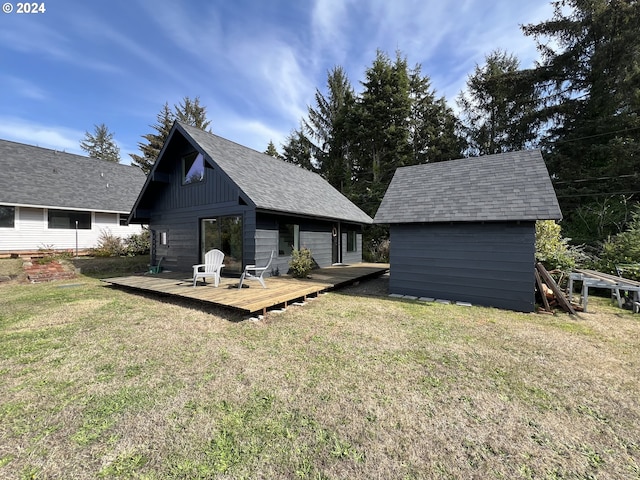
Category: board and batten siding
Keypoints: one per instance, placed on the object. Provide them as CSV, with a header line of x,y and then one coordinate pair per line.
x,y
178,210
490,264
182,228
31,231
214,189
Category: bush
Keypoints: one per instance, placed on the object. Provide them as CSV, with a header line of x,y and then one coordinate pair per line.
x,y
378,251
109,245
622,250
554,251
138,243
301,263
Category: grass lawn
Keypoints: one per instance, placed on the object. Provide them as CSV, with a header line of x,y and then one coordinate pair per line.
x,y
101,383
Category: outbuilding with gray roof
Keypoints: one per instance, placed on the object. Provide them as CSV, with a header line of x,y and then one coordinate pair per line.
x,y
464,230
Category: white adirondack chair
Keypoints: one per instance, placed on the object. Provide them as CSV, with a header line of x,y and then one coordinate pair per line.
x,y
210,268
251,272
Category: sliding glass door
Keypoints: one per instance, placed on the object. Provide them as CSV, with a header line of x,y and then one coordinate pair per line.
x,y
223,233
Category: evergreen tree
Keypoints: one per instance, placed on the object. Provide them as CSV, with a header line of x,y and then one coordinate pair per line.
x,y
499,107
154,141
272,150
297,150
188,111
433,126
325,129
590,76
101,144
192,113
380,129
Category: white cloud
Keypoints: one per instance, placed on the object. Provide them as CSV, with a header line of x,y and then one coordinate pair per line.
x,y
34,38
47,136
22,88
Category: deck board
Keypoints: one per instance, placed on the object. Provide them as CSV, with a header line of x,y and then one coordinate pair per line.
x,y
280,290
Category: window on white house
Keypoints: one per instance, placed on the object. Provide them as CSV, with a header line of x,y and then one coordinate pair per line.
x,y
66,219
7,217
122,220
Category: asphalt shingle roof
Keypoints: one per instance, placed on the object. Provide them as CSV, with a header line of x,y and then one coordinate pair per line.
x,y
275,185
502,187
40,177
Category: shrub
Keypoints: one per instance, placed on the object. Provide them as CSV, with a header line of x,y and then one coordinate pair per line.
x,y
554,251
622,249
138,243
378,251
48,254
301,263
109,245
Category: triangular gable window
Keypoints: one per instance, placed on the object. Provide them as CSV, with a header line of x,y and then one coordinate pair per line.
x,y
192,168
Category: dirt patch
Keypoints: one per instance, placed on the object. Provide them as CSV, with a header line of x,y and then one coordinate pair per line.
x,y
375,287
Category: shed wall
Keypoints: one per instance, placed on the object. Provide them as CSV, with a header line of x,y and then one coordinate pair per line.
x,y
488,264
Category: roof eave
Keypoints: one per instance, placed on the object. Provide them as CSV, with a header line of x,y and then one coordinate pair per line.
x,y
314,216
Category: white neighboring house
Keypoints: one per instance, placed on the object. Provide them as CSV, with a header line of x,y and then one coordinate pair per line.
x,y
51,199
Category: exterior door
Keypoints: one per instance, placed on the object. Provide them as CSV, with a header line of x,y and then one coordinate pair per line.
x,y
225,234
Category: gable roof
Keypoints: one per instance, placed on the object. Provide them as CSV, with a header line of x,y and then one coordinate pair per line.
x,y
271,184
39,177
502,187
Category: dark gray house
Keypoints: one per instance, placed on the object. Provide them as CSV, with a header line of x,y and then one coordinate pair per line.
x,y
207,192
464,230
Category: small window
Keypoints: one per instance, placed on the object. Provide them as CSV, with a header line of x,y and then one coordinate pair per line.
x,y
68,219
288,238
122,220
192,168
7,217
352,241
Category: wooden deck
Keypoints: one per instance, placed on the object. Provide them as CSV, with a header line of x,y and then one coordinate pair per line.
x,y
281,290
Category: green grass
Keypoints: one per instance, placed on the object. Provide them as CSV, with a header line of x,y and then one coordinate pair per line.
x,y
100,383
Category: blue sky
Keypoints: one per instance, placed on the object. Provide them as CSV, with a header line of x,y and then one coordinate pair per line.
x,y
255,64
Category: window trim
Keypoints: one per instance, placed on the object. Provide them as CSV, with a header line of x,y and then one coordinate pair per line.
x,y
47,217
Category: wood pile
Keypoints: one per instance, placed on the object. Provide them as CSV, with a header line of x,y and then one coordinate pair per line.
x,y
551,294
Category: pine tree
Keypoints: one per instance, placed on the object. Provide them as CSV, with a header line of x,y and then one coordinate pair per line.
x,y
325,130
498,107
433,126
297,150
192,113
272,150
188,111
590,77
154,141
101,144
380,129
